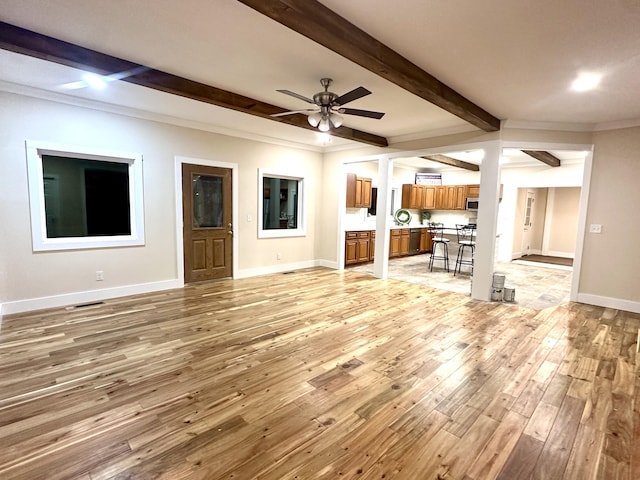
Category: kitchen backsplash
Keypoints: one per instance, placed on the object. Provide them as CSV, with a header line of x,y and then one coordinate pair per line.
x,y
358,219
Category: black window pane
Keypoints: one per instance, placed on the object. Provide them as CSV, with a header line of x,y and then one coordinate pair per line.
x,y
85,197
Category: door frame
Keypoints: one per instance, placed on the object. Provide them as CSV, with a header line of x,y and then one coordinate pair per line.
x,y
526,233
179,160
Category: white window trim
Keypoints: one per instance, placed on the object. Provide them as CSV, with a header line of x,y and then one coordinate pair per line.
x,y
35,150
301,231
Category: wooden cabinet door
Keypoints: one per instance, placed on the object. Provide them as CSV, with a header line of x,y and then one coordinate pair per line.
x,y
365,198
425,241
428,197
350,252
351,190
358,191
460,198
404,242
411,196
351,248
362,252
394,244
473,191
441,197
359,184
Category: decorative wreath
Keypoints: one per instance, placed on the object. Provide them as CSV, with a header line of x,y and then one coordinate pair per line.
x,y
402,216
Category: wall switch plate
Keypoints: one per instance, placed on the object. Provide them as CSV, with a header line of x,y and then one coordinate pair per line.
x,y
595,228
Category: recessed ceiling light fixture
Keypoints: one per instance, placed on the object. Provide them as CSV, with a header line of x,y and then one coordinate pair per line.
x,y
586,81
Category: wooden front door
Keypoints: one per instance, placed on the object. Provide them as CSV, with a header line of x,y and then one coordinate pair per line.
x,y
207,227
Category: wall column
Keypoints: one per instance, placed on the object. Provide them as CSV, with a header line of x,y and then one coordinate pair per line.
x,y
383,221
487,222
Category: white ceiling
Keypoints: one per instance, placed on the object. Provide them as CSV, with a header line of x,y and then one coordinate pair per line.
x,y
514,58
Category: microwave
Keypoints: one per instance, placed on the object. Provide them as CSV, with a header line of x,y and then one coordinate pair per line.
x,y
472,204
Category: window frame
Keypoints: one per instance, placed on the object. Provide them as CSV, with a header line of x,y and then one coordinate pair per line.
x,y
40,242
301,230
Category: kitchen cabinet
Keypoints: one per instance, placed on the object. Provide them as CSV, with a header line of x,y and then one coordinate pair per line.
x,y
429,197
441,198
412,196
455,197
473,191
394,243
358,247
358,191
405,237
425,241
399,242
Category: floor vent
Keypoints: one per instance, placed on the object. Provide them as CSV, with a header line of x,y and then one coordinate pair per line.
x,y
286,273
83,305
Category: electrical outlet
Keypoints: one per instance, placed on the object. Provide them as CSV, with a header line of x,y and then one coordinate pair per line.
x,y
595,228
99,275
278,256
249,218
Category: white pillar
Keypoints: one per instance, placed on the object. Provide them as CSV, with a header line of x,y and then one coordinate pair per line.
x,y
487,222
383,219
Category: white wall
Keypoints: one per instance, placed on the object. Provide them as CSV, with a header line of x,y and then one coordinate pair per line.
x,y
610,272
30,279
514,178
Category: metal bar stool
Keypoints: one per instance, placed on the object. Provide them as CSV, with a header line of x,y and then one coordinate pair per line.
x,y
466,240
437,239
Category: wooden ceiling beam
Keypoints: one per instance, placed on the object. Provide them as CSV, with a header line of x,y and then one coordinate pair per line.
x,y
544,157
452,161
26,42
315,21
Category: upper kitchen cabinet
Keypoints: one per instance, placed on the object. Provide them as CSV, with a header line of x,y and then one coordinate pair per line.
x,y
358,191
412,195
456,197
473,191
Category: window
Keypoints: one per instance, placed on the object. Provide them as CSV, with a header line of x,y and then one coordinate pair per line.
x,y
84,198
281,209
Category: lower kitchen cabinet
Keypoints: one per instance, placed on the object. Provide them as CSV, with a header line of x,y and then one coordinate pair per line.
x,y
425,241
360,246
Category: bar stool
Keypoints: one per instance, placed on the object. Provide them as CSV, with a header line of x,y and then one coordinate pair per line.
x,y
437,238
465,241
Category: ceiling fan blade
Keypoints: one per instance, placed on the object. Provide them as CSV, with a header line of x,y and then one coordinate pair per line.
x,y
354,94
362,113
291,112
296,95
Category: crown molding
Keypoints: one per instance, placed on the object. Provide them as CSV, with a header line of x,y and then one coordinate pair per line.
x,y
57,97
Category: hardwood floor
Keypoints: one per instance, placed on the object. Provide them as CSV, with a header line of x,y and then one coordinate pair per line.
x,y
319,374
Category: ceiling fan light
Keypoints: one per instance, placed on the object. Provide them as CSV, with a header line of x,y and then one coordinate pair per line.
x,y
324,126
336,120
314,119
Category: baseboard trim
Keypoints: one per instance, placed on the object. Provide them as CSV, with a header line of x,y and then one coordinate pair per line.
x,y
553,253
617,303
279,268
64,300
67,299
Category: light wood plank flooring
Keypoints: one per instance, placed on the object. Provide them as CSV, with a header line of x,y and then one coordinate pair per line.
x,y
319,374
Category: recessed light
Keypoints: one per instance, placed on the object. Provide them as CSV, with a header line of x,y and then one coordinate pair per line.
x,y
586,81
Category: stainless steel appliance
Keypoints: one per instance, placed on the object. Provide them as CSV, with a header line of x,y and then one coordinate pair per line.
x,y
414,241
472,204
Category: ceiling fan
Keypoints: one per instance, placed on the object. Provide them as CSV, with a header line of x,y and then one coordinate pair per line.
x,y
330,106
